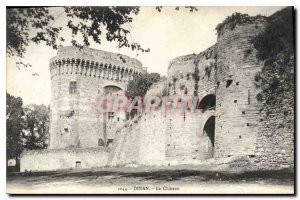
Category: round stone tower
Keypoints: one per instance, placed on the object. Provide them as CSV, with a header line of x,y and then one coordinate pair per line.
x,y
78,78
237,109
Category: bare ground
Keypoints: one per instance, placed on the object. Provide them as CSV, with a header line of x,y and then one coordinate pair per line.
x,y
151,180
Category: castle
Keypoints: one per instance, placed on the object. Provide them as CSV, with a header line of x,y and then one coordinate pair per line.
x,y
229,126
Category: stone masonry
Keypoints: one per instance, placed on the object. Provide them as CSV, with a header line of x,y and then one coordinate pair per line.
x,y
230,123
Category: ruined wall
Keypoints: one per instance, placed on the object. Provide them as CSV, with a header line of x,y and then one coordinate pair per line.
x,y
275,138
126,145
224,72
186,142
60,159
152,139
180,75
191,75
157,139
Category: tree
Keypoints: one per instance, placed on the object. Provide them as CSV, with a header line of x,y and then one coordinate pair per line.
x,y
19,23
89,22
14,126
139,85
36,126
275,46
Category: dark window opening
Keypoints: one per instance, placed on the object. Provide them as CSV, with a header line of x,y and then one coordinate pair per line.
x,y
243,112
240,137
185,90
70,114
111,89
207,103
218,84
248,96
188,77
118,119
127,116
66,130
78,165
73,87
109,141
228,83
111,115
247,124
237,83
100,142
251,156
235,101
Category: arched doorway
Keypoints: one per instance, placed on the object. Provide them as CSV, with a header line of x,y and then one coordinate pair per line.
x,y
209,131
207,103
110,89
110,118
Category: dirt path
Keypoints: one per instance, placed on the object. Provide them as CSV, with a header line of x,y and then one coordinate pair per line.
x,y
162,181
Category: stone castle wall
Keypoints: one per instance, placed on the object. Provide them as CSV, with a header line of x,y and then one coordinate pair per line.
x,y
157,139
231,122
227,71
237,109
63,159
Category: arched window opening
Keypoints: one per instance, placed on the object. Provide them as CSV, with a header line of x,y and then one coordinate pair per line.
x,y
207,103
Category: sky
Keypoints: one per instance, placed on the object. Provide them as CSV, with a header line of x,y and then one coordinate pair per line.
x,y
168,34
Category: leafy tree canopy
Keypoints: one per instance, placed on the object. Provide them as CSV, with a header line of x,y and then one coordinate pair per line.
x,y
88,22
236,19
26,126
140,84
275,47
278,35
14,126
37,126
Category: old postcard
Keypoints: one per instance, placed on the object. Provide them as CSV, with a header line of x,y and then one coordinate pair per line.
x,y
150,100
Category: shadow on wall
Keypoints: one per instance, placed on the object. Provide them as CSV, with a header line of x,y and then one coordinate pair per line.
x,y
209,129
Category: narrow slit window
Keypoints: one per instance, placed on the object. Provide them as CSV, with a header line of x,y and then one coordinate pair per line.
x,y
249,97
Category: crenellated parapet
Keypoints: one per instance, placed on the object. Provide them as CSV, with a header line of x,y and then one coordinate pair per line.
x,y
95,63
